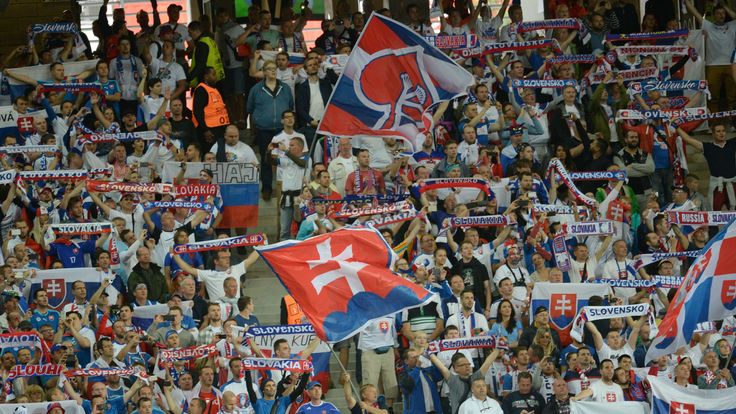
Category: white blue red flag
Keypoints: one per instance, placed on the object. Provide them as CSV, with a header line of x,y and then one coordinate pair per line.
x,y
391,78
563,302
58,284
670,398
342,280
707,293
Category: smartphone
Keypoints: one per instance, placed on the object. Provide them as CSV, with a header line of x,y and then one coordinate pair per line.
x,y
221,336
15,232
169,318
437,272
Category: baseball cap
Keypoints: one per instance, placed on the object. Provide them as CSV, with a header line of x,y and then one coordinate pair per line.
x,y
313,384
58,347
539,310
169,333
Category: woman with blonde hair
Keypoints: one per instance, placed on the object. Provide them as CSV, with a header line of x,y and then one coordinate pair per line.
x,y
543,339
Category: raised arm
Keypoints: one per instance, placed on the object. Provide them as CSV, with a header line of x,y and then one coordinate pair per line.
x,y
94,100
690,140
184,265
446,374
692,10
104,207
597,337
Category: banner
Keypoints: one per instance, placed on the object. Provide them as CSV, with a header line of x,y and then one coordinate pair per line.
x,y
58,284
17,340
480,221
238,184
628,407
298,337
42,74
81,228
563,301
695,218
206,245
595,313
562,255
143,315
295,58
266,364
69,406
670,398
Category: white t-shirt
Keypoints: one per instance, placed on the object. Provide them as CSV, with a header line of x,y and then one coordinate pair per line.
x,y
614,269
169,73
475,406
607,353
133,221
607,393
471,326
214,279
720,41
150,107
576,269
339,170
284,138
379,333
239,152
181,34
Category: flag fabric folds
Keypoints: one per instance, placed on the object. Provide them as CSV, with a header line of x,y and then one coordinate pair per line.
x,y
708,293
391,78
669,398
342,280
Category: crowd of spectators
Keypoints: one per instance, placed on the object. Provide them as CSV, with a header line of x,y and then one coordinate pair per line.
x,y
251,104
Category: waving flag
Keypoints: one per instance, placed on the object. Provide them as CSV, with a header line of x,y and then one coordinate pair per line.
x,y
628,407
342,280
43,74
563,302
670,398
391,78
58,284
708,293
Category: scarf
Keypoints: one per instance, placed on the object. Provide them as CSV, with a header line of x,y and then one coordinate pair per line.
x,y
19,340
595,313
121,137
384,221
72,175
81,228
702,117
8,177
551,24
668,85
633,114
73,87
588,228
555,166
615,54
619,175
544,83
497,220
237,241
558,209
627,75
285,364
436,183
695,218
465,343
647,259
112,186
496,48
452,41
195,205
25,149
349,212
637,37
574,59
659,281
185,354
562,255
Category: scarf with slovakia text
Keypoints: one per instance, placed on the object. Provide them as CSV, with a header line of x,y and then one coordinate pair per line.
x,y
669,86
594,313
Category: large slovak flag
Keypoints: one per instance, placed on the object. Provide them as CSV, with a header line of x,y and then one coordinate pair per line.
x,y
58,284
707,293
391,78
342,280
670,398
563,302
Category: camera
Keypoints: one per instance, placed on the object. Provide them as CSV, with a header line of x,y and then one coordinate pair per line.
x,y
15,232
339,22
169,318
221,336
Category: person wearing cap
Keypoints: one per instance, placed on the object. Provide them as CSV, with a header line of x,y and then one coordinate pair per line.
x,y
680,200
315,404
180,32
541,319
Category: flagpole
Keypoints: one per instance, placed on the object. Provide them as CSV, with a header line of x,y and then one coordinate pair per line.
x,y
354,389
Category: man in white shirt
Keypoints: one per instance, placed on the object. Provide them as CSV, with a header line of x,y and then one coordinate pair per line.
x,y
342,165
293,163
171,74
235,151
615,344
214,279
377,343
604,390
620,267
479,401
469,322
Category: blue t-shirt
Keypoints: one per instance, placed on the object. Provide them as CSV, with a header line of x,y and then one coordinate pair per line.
x,y
72,255
117,406
324,408
661,155
241,321
192,259
51,317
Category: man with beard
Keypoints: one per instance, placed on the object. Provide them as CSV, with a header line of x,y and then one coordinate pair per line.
x,y
638,164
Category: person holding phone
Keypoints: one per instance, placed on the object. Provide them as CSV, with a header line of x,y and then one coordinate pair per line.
x,y
162,325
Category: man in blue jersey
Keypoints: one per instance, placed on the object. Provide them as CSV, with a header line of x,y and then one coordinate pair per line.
x,y
43,315
70,252
315,404
266,404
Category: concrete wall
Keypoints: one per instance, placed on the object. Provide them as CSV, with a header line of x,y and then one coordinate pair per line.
x,y
20,13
